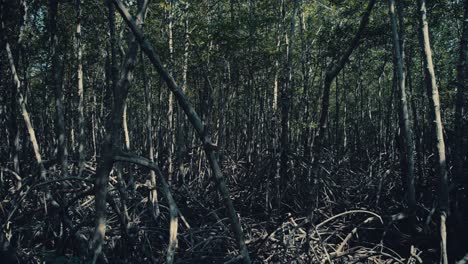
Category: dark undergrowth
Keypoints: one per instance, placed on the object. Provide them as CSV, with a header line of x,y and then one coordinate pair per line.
x,y
350,214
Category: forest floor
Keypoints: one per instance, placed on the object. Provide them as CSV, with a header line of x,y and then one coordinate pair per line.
x,y
354,215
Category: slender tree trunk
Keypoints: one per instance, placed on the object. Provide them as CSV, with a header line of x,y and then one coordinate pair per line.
x,y
345,116
182,124
186,48
81,138
149,141
15,133
171,108
360,109
125,128
286,95
94,124
407,156
62,153
433,94
305,55
275,117
113,56
337,116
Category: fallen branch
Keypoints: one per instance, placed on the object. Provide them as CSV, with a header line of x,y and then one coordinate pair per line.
x,y
349,212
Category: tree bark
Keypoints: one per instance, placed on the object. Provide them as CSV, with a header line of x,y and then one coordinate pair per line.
x,y
81,138
286,95
149,141
171,107
275,114
433,94
406,154
305,56
62,153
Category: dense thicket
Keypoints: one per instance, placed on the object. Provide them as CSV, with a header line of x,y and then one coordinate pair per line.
x,y
214,131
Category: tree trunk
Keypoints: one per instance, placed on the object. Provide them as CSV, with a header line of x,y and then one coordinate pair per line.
x,y
149,141
62,153
305,56
433,94
406,146
81,138
286,95
182,124
275,115
171,108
